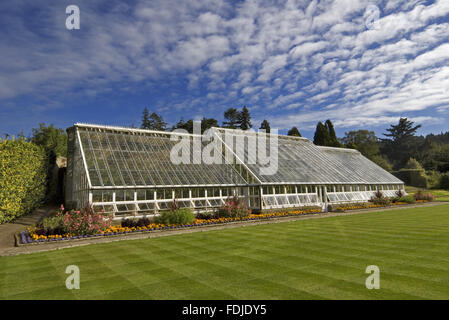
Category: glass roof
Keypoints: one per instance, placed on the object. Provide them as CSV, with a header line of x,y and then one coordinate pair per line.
x,y
300,161
115,158
121,157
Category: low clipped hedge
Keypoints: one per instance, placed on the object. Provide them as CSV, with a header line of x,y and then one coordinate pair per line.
x,y
23,178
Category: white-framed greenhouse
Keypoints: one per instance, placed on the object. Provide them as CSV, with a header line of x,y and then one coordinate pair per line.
x,y
130,172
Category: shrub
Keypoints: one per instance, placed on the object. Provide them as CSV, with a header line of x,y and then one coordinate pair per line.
x,y
444,181
434,179
419,195
399,193
407,199
23,174
179,216
85,221
130,223
207,215
380,199
234,208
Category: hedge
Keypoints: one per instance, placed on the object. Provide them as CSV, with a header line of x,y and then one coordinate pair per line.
x,y
23,178
412,177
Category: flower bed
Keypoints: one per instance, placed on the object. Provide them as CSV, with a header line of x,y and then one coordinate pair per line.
x,y
356,206
30,236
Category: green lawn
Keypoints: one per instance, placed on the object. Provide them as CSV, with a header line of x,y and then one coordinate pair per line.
x,y
307,259
440,195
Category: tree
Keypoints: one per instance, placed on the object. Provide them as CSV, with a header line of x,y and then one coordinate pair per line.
x,y
145,119
54,143
188,126
265,125
381,162
157,122
52,140
321,137
333,141
402,143
364,141
244,119
294,132
232,118
152,121
207,123
413,164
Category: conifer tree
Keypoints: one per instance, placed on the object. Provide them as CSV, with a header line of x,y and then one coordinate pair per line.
x,y
244,119
294,132
145,119
265,125
321,137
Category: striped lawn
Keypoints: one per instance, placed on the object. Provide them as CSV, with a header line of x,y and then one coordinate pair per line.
x,y
307,259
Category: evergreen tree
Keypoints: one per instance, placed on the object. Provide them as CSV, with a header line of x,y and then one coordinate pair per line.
x,y
244,119
265,125
207,123
402,143
232,118
333,140
294,132
156,122
321,137
188,126
145,119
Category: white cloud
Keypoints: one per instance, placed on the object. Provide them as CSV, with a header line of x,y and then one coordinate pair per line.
x,y
314,55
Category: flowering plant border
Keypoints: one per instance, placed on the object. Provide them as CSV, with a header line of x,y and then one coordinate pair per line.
x,y
28,237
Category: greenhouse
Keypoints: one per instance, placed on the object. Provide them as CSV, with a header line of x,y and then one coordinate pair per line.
x,y
135,172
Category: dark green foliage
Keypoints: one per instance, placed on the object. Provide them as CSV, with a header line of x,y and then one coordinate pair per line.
x,y
145,119
444,181
321,137
413,164
435,157
407,199
294,132
412,177
235,119
244,119
232,116
265,125
153,121
54,142
364,141
325,135
333,141
401,143
207,123
382,162
188,126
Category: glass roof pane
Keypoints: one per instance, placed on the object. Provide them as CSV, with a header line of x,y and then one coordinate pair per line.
x,y
117,158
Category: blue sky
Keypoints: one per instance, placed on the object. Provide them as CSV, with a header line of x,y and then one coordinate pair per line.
x,y
363,64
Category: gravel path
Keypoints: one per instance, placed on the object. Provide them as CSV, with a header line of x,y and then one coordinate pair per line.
x,y
7,231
